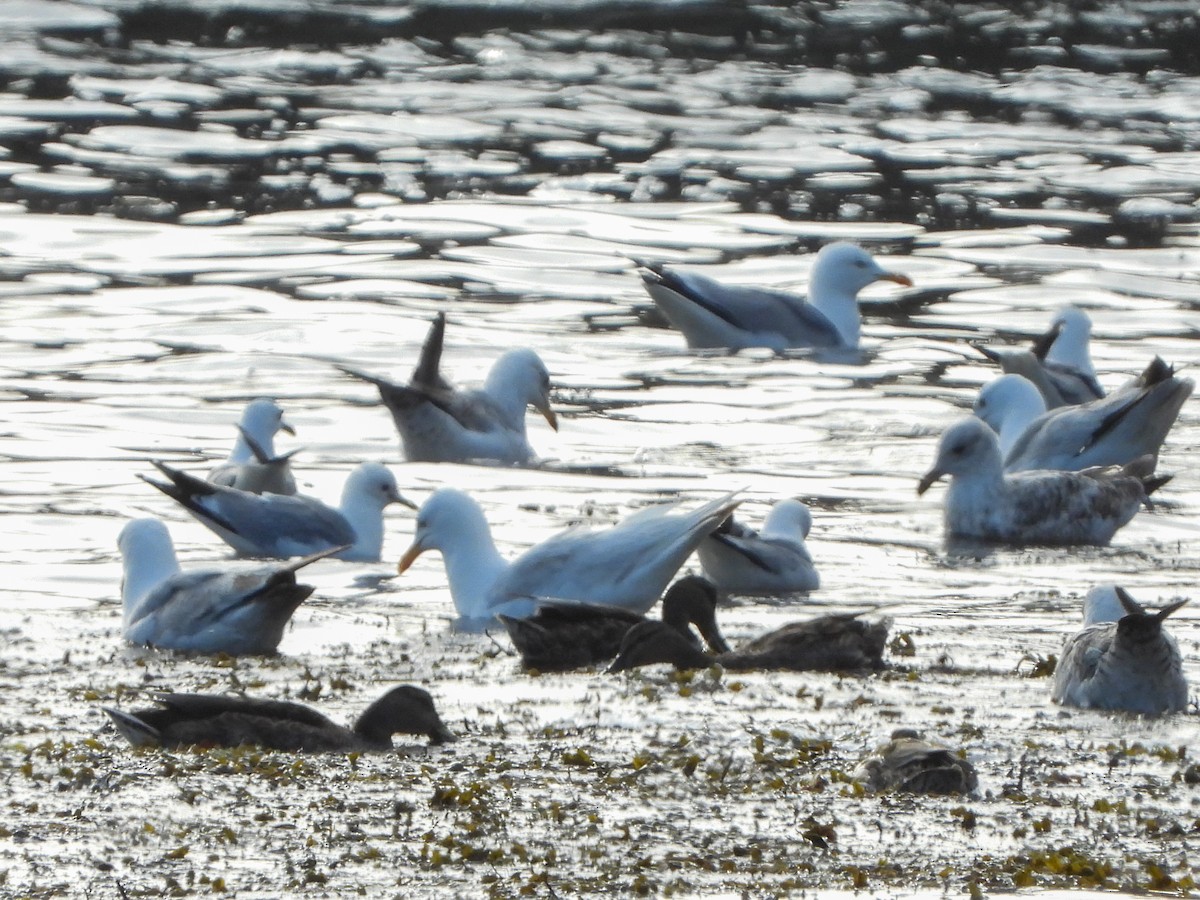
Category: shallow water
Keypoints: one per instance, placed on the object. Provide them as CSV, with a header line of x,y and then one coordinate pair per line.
x,y
189,224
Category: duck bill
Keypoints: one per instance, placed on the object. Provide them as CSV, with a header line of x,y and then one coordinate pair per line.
x,y
440,734
897,277
409,557
548,415
287,426
928,479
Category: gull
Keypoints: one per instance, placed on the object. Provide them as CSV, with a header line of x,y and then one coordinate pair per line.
x,y
280,527
214,720
711,314
1111,431
1127,663
740,560
563,635
438,423
628,565
1059,363
826,643
1039,507
252,464
238,611
914,765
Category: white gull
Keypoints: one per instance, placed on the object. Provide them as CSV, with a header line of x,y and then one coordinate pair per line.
x,y
1113,430
628,565
715,315
1131,664
236,609
740,560
252,464
438,423
278,526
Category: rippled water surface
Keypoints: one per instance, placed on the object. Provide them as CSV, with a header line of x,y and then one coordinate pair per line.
x,y
200,208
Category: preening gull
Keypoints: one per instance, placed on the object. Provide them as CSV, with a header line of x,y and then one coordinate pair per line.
x,y
235,609
841,641
278,526
914,765
1131,663
438,423
740,560
628,565
714,315
216,720
1039,507
252,464
563,635
1114,430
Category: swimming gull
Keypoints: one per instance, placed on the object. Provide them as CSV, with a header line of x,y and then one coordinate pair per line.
x,y
278,526
711,314
1131,664
563,635
628,565
215,720
1038,507
236,609
1114,430
775,560
438,423
252,464
1059,363
835,642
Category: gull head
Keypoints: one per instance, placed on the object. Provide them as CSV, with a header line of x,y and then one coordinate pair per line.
x,y
788,518
845,268
446,518
373,485
1005,397
968,446
1070,331
521,375
262,418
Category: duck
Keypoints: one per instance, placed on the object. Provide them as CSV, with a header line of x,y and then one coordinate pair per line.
x,y
252,464
279,526
740,560
1059,363
628,565
911,764
561,636
836,642
238,611
1039,507
1125,663
1111,431
715,315
440,423
216,720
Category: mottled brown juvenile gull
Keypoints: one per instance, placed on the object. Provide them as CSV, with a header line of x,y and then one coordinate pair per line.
x,y
562,635
714,315
740,560
1130,663
1111,431
628,565
914,765
841,641
252,464
215,720
438,423
235,609
1040,507
278,526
